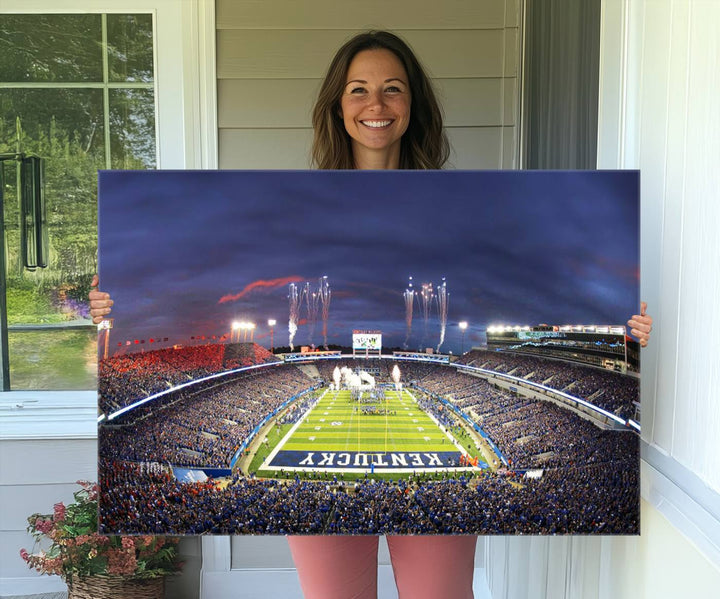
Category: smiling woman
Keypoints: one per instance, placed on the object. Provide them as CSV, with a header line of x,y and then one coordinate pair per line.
x,y
375,108
365,103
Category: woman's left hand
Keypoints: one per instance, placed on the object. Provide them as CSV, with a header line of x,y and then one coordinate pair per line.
x,y
641,325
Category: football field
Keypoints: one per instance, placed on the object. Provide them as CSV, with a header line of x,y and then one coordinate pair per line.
x,y
343,434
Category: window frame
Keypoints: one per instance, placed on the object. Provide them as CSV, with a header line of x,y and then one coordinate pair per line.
x,y
186,138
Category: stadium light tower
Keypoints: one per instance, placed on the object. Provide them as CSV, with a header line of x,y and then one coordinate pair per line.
x,y
235,327
463,326
271,323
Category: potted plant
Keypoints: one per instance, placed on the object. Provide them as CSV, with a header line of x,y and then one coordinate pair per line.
x,y
93,565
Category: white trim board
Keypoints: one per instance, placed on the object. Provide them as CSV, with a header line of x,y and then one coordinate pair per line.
x,y
32,585
679,494
48,415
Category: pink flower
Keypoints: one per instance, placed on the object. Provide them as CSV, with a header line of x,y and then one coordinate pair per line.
x,y
59,512
144,541
53,565
24,555
44,526
91,489
121,562
127,543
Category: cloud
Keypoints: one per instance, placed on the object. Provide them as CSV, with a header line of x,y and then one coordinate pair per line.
x,y
260,284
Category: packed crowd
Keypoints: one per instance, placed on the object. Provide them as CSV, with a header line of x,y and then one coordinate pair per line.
x,y
529,433
126,378
203,427
581,499
606,389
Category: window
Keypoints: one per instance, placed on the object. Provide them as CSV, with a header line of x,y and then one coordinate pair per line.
x,y
77,90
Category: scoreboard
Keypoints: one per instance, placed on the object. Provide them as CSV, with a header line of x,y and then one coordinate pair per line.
x,y
367,341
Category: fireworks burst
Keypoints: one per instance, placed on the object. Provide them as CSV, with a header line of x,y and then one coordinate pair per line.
x,y
294,313
312,304
442,306
426,297
324,292
409,297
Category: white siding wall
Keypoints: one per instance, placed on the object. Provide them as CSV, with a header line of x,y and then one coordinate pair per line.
x,y
271,57
660,81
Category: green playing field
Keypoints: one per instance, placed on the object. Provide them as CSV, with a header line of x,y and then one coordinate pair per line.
x,y
337,423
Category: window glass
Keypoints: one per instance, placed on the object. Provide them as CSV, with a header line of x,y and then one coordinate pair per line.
x,y
130,47
53,359
132,128
57,102
36,48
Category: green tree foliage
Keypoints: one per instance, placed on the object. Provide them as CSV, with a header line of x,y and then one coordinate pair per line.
x,y
49,47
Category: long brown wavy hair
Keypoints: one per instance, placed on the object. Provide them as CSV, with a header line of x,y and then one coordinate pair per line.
x,y
423,146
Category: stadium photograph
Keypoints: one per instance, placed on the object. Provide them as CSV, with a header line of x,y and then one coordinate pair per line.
x,y
296,352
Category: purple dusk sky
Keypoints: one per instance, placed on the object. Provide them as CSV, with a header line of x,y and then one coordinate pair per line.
x,y
515,247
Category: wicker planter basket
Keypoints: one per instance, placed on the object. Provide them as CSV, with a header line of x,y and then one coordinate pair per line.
x,y
116,587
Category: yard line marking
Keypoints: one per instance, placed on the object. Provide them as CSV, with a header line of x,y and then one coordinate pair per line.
x,y
289,434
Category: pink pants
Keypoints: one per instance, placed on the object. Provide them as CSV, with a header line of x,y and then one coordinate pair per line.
x,y
345,567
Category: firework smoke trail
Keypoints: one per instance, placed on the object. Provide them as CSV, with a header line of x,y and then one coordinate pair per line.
x,y
324,293
311,303
409,297
294,313
442,306
426,297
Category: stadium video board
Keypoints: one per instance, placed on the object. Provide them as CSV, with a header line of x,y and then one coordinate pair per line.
x,y
213,421
367,340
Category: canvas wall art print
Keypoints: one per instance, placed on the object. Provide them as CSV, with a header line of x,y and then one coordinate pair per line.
x,y
437,352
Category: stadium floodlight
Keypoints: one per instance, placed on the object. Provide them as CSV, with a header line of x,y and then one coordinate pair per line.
x,y
234,327
463,326
245,327
271,323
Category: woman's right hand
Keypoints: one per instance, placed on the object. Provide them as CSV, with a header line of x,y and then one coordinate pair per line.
x,y
100,303
641,325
